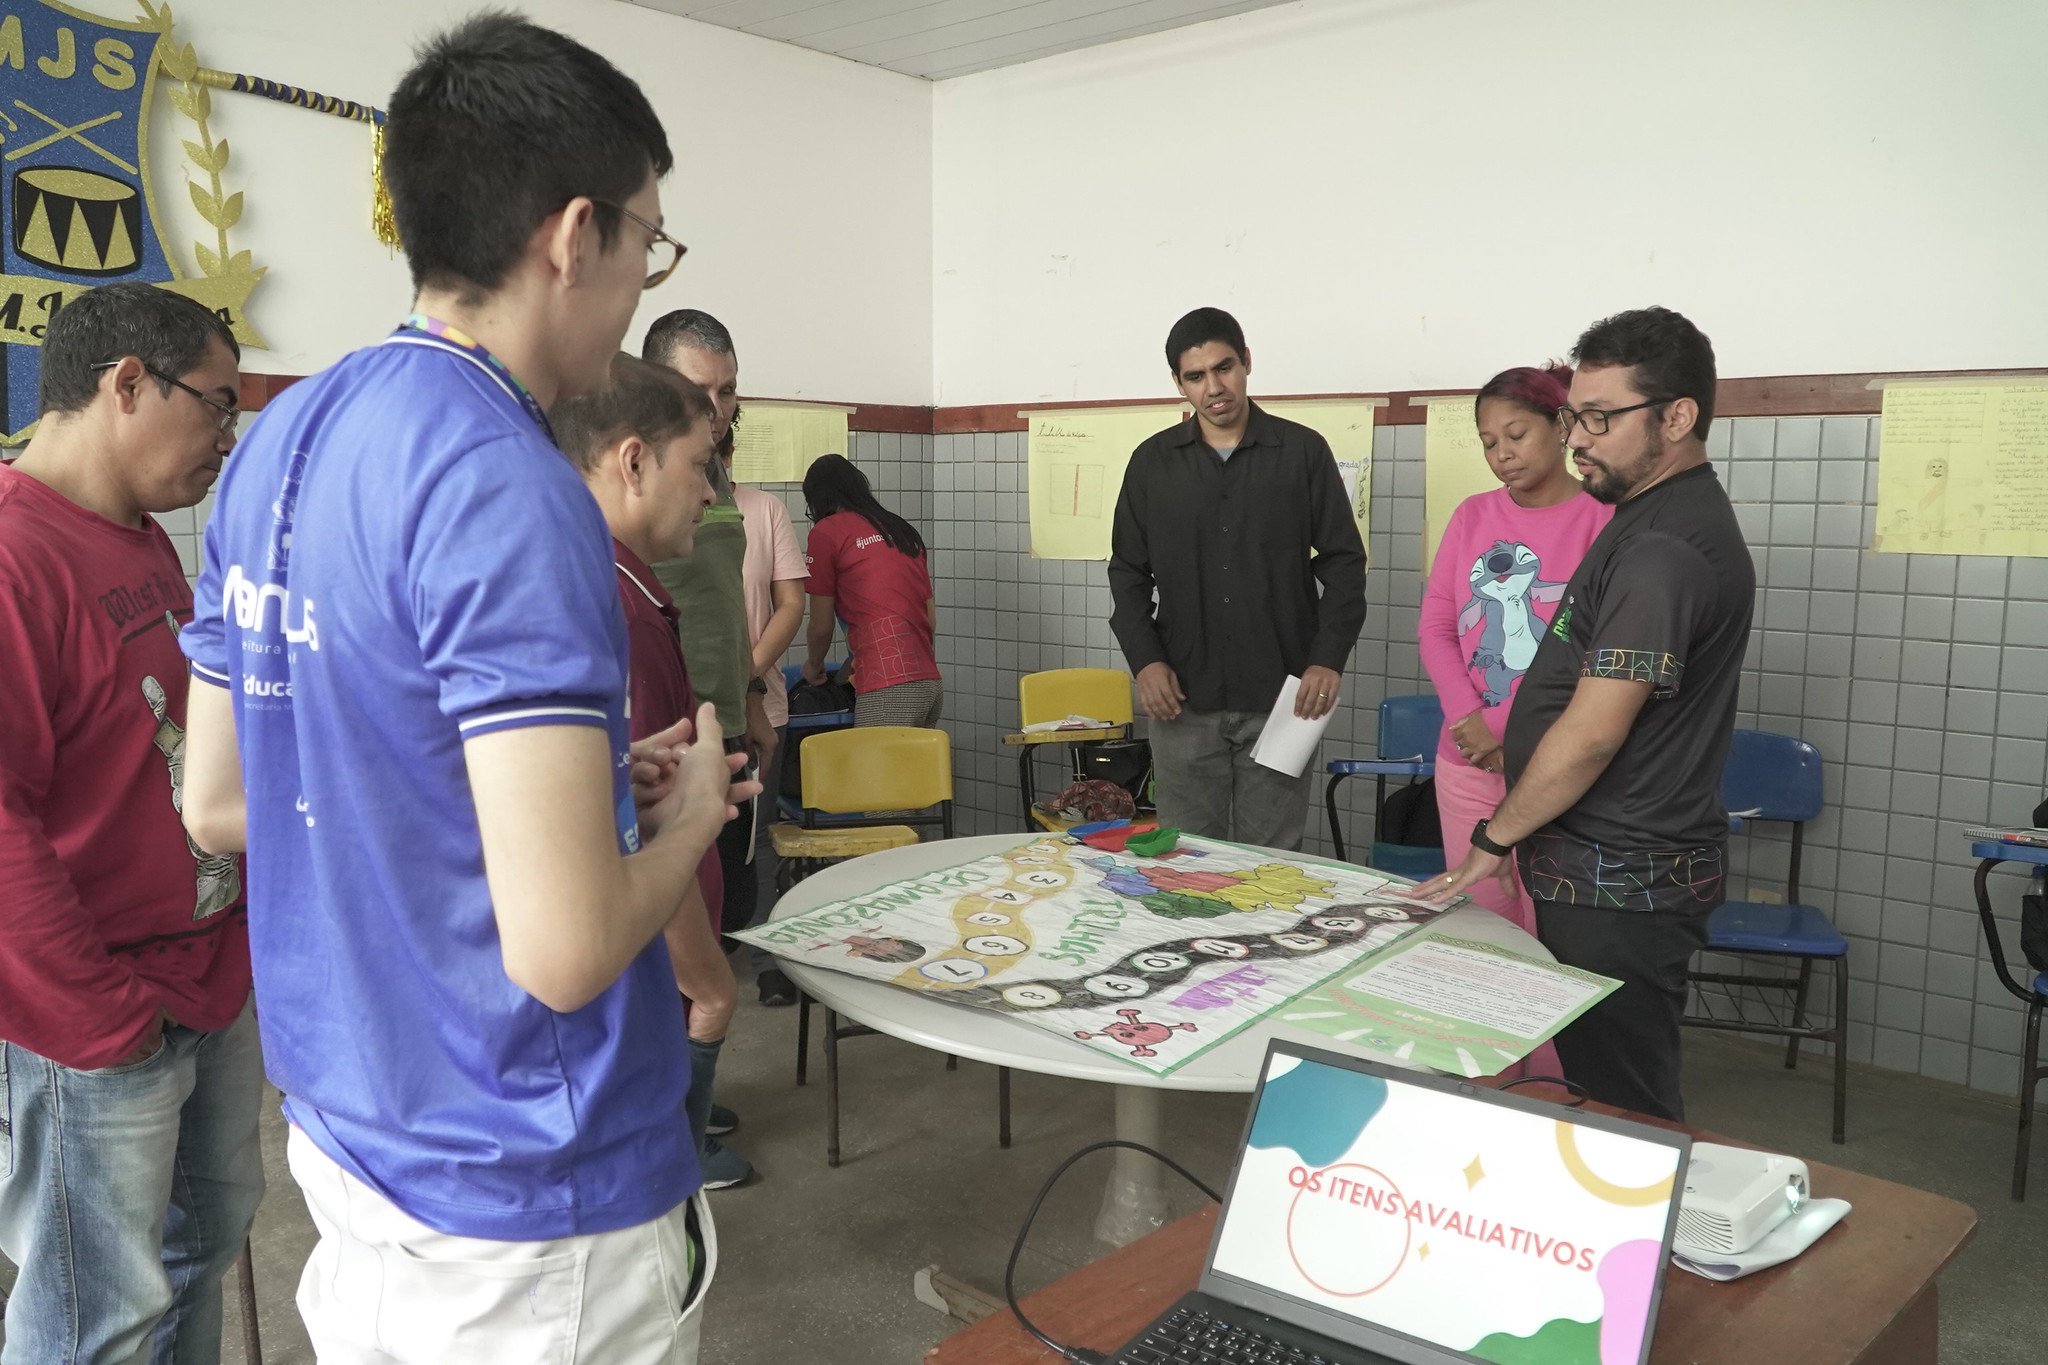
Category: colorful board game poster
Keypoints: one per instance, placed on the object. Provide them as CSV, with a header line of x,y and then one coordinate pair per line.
x,y
1150,960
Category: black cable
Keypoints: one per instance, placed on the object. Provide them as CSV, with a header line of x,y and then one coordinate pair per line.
x,y
1078,1355
1579,1093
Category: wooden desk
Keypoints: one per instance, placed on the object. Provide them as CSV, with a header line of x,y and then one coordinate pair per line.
x,y
2031,993
1864,1293
1078,735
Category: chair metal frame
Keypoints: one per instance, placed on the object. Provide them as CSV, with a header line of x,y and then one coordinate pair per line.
x,y
2032,1070
245,1285
1392,715
793,870
1800,1029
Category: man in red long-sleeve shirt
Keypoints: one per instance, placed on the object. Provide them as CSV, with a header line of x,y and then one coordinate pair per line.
x,y
129,1072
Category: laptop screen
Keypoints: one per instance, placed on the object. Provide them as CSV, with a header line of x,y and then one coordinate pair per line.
x,y
1491,1229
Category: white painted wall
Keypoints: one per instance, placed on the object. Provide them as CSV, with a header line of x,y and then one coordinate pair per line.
x,y
1415,193
802,185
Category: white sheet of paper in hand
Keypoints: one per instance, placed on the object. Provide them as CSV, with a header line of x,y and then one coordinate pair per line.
x,y
1287,742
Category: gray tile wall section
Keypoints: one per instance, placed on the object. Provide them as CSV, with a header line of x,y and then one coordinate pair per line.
x,y
1922,679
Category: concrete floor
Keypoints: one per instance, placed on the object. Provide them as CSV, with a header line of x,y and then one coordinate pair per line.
x,y
816,1263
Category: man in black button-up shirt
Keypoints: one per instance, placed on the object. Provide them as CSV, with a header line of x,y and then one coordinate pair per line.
x,y
1226,526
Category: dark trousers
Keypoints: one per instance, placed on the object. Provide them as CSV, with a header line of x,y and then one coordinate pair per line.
x,y
1625,1050
742,884
697,1099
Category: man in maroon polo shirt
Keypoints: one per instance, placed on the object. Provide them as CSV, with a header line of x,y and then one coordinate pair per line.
x,y
644,447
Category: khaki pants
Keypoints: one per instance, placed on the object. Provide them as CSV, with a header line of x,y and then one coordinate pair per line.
x,y
382,1288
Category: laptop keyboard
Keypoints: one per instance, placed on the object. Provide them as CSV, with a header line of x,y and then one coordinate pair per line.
x,y
1188,1336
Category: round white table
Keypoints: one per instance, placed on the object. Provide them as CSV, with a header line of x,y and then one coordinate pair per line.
x,y
1134,1203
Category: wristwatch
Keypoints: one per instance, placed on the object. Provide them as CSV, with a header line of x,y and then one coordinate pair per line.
x,y
1481,840
758,686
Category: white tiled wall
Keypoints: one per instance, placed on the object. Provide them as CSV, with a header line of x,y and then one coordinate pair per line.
x,y
184,526
1923,681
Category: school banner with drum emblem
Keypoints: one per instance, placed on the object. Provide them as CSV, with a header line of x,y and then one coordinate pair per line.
x,y
77,203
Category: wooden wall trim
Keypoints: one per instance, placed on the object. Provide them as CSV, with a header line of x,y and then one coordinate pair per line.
x,y
1779,395
912,421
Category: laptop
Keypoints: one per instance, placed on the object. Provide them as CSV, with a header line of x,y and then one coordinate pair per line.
x,y
1381,1215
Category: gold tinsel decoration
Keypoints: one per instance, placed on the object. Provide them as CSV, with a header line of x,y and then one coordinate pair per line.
x,y
383,219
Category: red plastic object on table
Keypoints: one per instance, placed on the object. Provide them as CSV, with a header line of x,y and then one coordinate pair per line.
x,y
1112,840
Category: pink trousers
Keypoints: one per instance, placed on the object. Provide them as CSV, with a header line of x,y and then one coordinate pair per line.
x,y
1465,795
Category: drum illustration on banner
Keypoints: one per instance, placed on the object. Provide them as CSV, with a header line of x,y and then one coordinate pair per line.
x,y
77,208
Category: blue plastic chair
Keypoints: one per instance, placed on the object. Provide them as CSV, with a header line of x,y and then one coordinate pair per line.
x,y
1771,777
792,678
2033,995
1409,727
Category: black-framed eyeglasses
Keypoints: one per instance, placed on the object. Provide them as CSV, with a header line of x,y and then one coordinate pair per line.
x,y
229,413
1595,420
663,244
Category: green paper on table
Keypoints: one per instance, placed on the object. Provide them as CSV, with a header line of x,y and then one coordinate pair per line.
x,y
1154,842
1456,1005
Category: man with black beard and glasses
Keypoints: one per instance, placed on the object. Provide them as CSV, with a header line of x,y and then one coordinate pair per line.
x,y
1615,747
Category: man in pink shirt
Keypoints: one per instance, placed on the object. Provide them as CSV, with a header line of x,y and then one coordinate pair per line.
x,y
774,573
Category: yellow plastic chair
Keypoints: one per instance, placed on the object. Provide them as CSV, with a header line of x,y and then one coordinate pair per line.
x,y
1101,693
850,777
858,785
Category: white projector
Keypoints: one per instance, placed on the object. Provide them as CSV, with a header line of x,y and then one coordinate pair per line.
x,y
1734,1197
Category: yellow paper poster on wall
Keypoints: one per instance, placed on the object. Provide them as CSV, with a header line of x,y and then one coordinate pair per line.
x,y
1347,425
1962,469
1454,467
1075,464
776,442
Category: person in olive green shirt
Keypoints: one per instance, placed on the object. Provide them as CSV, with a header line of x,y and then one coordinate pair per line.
x,y
711,607
712,610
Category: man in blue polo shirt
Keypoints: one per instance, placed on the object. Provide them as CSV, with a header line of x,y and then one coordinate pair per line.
x,y
407,615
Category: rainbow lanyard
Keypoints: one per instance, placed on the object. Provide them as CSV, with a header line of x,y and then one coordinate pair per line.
x,y
432,331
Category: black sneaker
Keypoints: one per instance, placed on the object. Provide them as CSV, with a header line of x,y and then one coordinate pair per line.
x,y
720,1121
777,990
723,1167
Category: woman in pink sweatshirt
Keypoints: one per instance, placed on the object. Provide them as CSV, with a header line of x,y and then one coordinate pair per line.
x,y
1494,586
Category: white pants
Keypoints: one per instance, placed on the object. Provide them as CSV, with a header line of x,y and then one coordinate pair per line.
x,y
382,1288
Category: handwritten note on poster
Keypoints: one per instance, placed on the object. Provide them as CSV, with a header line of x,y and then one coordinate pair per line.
x,y
776,442
1346,424
1962,469
1076,467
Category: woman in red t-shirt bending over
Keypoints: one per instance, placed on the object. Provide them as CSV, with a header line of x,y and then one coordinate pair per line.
x,y
868,569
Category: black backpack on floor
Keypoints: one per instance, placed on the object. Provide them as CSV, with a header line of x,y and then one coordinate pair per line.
x,y
1409,816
